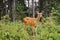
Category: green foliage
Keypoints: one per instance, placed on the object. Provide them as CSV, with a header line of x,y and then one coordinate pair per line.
x,y
46,30
56,14
13,31
20,10
5,19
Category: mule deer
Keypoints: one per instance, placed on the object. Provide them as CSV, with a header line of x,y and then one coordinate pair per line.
x,y
32,21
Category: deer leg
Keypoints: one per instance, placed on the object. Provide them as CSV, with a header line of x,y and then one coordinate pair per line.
x,y
32,30
24,26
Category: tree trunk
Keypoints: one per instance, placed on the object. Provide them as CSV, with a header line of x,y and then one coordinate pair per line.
x,y
28,9
13,11
40,5
33,8
1,8
10,9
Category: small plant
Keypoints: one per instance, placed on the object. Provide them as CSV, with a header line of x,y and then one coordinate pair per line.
x,y
6,19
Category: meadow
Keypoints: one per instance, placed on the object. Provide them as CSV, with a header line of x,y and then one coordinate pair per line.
x,y
45,30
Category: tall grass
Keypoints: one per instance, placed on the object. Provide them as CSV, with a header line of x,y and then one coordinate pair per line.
x,y
46,30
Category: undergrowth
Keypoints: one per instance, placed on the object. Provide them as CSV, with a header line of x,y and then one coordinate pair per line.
x,y
45,30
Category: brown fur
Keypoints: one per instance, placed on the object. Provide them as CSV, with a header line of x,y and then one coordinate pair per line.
x,y
31,21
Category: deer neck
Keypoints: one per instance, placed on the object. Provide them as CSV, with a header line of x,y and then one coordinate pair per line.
x,y
38,18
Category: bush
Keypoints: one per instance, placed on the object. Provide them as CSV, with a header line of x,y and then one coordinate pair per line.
x,y
5,19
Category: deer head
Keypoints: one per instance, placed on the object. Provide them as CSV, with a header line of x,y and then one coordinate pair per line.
x,y
39,15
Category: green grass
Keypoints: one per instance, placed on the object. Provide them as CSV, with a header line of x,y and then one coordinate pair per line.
x,y
15,31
